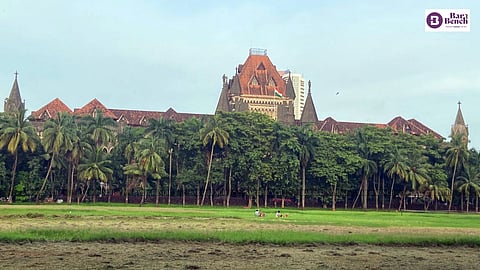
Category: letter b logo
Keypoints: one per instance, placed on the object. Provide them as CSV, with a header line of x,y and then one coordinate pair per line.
x,y
434,20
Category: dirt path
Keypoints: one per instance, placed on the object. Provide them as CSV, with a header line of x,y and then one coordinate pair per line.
x,y
194,255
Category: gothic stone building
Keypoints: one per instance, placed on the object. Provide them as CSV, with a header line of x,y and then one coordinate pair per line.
x,y
256,86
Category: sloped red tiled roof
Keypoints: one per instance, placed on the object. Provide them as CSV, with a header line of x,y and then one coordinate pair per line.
x,y
91,107
397,124
260,69
135,117
331,125
180,117
425,129
400,125
51,110
328,125
140,118
344,127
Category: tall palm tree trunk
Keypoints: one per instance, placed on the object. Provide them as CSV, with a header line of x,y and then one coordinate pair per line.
x,y
376,188
127,188
403,199
476,203
198,193
94,199
72,183
358,196
69,170
265,199
346,200
364,192
157,193
144,182
257,193
303,186
12,182
208,173
224,191
453,181
170,175
391,194
468,201
211,193
46,178
383,192
229,192
86,191
334,197
183,195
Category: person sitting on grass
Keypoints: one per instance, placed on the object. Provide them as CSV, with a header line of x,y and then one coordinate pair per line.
x,y
259,213
280,215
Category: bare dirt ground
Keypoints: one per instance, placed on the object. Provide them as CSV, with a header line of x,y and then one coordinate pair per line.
x,y
194,255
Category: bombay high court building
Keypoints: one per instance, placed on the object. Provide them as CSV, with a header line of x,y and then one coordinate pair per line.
x,y
256,86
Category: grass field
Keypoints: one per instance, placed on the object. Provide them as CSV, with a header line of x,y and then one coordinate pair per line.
x,y
234,225
130,237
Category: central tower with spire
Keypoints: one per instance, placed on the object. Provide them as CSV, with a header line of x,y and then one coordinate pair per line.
x,y
257,86
14,101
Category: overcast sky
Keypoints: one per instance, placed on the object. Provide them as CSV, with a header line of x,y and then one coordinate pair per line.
x,y
153,55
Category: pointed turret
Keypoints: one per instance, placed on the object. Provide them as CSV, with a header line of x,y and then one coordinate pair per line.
x,y
290,88
459,126
309,114
223,103
14,102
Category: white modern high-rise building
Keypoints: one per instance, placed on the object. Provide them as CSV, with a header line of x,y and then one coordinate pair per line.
x,y
299,86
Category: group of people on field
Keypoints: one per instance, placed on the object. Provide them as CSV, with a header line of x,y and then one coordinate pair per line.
x,y
259,213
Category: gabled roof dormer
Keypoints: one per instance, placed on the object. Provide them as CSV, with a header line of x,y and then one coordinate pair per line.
x,y
51,110
91,108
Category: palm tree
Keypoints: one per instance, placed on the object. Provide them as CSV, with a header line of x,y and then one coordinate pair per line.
x,y
367,169
469,182
417,176
437,190
74,156
188,152
214,135
307,143
58,136
395,168
100,129
96,167
133,173
163,129
150,163
16,132
456,157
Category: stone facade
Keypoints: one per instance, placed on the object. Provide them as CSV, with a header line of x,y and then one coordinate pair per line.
x,y
257,86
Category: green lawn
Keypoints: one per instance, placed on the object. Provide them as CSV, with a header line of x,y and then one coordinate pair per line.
x,y
235,225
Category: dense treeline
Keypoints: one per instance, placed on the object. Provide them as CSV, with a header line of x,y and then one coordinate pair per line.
x,y
230,156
